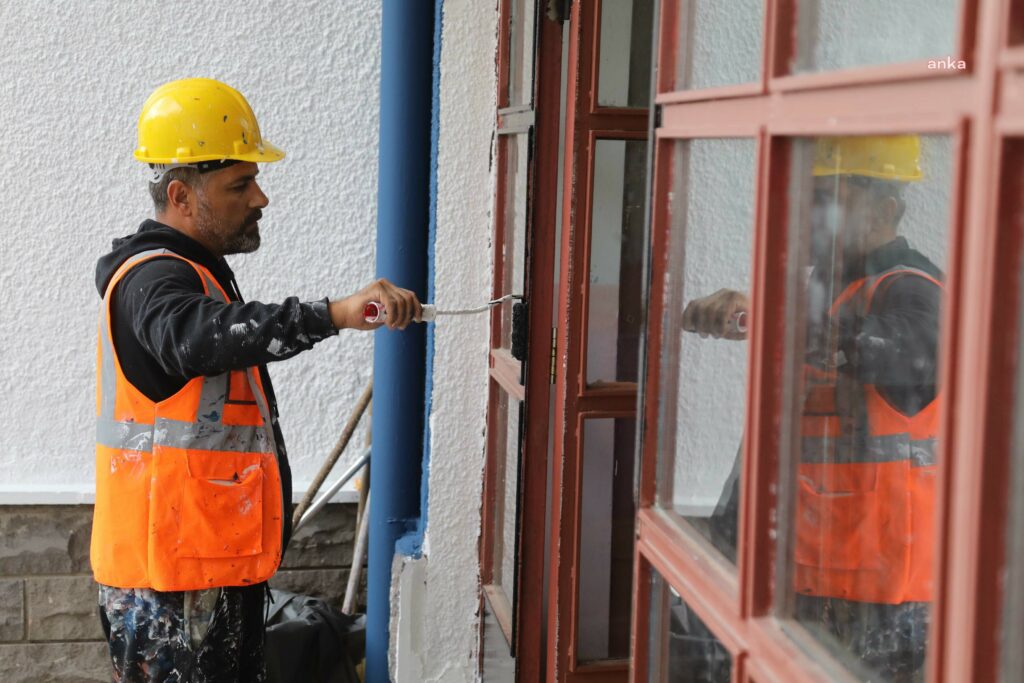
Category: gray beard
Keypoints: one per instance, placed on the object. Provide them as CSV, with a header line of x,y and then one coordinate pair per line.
x,y
242,243
216,233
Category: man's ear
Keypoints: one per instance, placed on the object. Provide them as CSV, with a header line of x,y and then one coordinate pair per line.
x,y
887,213
179,197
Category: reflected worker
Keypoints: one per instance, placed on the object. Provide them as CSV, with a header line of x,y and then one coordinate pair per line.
x,y
865,486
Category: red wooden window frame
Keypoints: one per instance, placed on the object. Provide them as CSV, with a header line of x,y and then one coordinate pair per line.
x,y
983,272
528,382
586,121
505,371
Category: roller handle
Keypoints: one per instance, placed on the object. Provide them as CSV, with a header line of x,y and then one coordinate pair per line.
x,y
738,323
374,312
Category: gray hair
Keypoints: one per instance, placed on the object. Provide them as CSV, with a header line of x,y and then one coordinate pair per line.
x,y
186,174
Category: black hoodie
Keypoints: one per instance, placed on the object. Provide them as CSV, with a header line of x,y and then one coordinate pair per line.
x,y
167,330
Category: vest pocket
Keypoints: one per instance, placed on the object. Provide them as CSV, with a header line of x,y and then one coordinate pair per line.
x,y
838,520
222,506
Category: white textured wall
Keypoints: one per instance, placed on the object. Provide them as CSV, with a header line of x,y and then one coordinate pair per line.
x,y
73,77
839,34
442,620
718,226
726,44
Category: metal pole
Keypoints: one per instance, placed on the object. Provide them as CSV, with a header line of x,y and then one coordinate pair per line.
x,y
358,556
335,487
332,459
403,207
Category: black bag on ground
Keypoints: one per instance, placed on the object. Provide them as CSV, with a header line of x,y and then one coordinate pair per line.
x,y
308,641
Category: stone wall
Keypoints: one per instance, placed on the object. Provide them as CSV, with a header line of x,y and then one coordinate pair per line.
x,y
49,628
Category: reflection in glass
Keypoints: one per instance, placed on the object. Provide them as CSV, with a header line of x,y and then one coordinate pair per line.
x,y
624,72
606,539
865,304
616,260
516,186
704,377
719,43
506,469
839,34
682,648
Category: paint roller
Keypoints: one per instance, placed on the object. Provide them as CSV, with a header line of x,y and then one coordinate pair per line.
x,y
736,324
374,311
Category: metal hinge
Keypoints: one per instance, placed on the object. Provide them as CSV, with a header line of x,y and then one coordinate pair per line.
x,y
657,116
554,347
559,10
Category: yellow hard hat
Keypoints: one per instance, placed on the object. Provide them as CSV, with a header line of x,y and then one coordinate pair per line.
x,y
200,119
887,157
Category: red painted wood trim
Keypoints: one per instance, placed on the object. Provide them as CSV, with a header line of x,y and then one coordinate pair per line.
x,y
659,254
981,264
585,122
494,434
640,629
977,409
1003,404
530,609
559,583
504,49
926,105
667,46
505,370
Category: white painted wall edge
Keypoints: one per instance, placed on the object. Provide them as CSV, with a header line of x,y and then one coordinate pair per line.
x,y
84,494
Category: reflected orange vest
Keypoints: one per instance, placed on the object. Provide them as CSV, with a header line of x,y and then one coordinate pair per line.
x,y
188,493
865,504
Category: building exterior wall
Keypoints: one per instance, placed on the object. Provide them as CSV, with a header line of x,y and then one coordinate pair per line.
x,y
75,76
435,602
49,625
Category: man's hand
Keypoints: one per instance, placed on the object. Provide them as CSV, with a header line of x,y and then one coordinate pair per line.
x,y
717,315
401,305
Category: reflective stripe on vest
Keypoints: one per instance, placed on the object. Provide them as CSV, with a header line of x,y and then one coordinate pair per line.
x,y
188,493
865,494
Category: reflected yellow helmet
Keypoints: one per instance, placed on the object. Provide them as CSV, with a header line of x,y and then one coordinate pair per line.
x,y
200,119
887,157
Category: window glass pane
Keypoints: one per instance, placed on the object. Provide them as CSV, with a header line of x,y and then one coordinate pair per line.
x,y
616,260
606,539
839,34
867,244
682,648
514,250
520,68
624,69
719,43
704,354
506,472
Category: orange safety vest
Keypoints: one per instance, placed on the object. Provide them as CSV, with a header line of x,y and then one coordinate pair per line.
x,y
865,503
188,492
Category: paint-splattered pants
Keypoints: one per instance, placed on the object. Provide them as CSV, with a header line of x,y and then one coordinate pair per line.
x,y
210,636
890,640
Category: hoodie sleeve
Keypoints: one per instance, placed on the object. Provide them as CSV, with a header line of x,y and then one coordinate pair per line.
x,y
190,334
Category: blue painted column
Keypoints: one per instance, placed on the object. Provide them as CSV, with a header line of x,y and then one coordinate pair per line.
x,y
407,34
